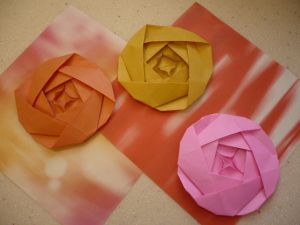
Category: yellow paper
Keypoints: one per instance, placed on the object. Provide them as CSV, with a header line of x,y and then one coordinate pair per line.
x,y
165,67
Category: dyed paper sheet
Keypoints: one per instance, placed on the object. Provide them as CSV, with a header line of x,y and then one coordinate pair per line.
x,y
245,82
80,184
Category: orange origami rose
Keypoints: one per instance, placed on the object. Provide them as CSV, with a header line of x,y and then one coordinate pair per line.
x,y
65,101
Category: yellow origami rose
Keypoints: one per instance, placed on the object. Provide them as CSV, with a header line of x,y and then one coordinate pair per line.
x,y
165,67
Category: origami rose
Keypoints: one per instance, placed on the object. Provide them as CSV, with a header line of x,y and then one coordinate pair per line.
x,y
166,68
228,164
65,100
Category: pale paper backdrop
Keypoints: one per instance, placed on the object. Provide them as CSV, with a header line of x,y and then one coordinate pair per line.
x,y
272,25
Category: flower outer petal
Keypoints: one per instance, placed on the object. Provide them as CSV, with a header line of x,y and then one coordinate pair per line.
x,y
42,75
28,116
178,104
156,94
123,74
43,105
181,49
133,56
169,33
152,48
92,77
47,140
106,110
83,90
200,69
255,203
266,163
56,80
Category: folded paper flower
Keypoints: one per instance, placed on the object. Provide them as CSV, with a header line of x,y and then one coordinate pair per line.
x,y
64,101
228,164
165,67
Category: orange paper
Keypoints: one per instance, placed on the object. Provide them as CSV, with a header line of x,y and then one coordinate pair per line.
x,y
65,101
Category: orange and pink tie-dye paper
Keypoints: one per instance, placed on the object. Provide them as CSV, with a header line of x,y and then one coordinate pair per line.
x,y
81,184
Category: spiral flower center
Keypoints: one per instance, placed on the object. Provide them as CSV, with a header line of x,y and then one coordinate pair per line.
x,y
167,66
229,161
63,97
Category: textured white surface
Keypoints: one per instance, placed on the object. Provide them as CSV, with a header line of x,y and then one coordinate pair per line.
x,y
274,26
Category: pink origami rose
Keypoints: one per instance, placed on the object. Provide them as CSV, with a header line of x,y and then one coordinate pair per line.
x,y
228,164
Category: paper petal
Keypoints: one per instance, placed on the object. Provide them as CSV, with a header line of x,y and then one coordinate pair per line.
x,y
106,110
91,77
157,94
58,79
43,105
29,116
42,74
236,141
195,167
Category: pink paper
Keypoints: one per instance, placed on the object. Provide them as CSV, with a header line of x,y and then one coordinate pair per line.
x,y
228,164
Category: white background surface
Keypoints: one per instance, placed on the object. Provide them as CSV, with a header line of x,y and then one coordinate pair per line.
x,y
274,26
